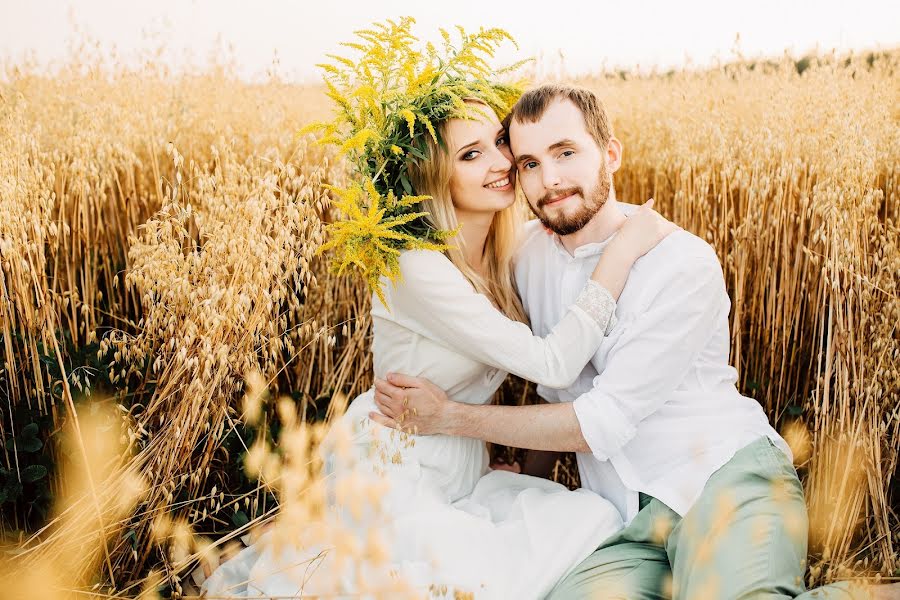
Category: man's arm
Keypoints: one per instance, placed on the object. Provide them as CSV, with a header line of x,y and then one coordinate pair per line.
x,y
647,363
654,354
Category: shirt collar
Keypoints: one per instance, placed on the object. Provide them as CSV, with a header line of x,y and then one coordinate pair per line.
x,y
593,248
583,251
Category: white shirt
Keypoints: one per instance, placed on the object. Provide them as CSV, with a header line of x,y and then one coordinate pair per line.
x,y
435,325
657,404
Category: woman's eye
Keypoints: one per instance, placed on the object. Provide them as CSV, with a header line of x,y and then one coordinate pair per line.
x,y
568,153
470,155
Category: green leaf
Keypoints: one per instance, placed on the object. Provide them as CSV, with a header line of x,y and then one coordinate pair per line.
x,y
405,183
29,431
417,153
794,410
12,490
240,518
32,473
131,535
31,445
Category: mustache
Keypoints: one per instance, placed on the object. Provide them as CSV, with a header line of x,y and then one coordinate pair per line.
x,y
550,197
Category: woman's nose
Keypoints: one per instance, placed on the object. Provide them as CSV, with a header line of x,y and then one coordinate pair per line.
x,y
502,162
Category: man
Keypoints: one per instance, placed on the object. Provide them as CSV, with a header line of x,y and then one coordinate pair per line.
x,y
713,505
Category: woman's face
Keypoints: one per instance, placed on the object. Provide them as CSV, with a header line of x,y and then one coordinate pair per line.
x,y
482,179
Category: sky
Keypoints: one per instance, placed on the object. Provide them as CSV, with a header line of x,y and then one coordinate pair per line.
x,y
289,37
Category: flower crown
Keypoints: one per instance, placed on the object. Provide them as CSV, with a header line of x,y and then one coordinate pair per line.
x,y
388,100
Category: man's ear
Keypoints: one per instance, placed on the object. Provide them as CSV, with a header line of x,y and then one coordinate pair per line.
x,y
614,154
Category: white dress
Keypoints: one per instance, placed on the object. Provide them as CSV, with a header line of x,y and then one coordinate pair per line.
x,y
452,520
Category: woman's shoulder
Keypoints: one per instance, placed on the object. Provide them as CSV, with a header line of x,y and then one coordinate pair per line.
x,y
428,268
425,265
427,278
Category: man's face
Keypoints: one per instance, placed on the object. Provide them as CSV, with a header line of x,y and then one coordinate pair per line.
x,y
561,169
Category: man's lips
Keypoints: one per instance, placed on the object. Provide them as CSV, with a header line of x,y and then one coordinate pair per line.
x,y
558,200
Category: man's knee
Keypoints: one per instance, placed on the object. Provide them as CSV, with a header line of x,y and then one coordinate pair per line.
x,y
628,579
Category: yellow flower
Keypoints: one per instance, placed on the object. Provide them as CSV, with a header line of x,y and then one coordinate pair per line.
x,y
358,141
381,95
410,118
368,241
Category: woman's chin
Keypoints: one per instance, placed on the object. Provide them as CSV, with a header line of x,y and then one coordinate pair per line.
x,y
506,199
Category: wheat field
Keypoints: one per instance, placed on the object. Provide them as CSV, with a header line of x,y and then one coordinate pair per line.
x,y
158,236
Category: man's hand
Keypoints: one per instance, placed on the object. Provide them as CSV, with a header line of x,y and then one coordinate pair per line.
x,y
411,404
515,467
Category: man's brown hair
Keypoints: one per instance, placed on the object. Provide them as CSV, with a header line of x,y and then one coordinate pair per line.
x,y
532,104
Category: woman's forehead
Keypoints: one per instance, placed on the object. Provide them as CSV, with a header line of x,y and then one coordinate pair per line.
x,y
464,131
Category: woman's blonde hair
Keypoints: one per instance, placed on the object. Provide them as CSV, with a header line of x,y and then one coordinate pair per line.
x,y
432,177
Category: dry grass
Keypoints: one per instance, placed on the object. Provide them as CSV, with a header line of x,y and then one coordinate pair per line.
x,y
169,223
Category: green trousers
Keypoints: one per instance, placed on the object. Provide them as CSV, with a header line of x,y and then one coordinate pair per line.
x,y
745,537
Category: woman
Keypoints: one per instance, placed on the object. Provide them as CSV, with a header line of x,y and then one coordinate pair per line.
x,y
456,319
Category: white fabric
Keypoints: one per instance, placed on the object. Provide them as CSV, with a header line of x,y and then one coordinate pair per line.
x,y
497,534
657,403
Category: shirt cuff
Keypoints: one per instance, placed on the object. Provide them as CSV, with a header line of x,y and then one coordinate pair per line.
x,y
605,428
598,303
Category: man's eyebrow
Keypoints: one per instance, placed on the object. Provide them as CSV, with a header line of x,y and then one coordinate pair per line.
x,y
523,157
560,144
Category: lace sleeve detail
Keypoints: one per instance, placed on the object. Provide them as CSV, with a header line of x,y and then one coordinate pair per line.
x,y
599,304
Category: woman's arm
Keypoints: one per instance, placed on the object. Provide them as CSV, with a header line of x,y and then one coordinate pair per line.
x,y
435,300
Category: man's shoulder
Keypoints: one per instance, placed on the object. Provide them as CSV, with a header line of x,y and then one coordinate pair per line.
x,y
532,234
533,240
680,253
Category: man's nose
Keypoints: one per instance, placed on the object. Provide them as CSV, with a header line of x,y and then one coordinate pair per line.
x,y
549,176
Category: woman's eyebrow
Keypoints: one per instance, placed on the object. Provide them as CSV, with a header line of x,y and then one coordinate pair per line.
x,y
469,145
500,131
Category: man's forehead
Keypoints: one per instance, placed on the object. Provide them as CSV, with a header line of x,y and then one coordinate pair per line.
x,y
557,124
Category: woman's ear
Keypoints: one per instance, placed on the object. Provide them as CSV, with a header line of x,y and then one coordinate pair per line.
x,y
613,154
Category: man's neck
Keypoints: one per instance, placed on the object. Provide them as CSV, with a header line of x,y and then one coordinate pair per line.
x,y
601,226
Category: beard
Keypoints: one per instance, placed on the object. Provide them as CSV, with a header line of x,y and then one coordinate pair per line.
x,y
565,224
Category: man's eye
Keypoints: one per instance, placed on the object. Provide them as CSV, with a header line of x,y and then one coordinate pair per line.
x,y
502,140
529,165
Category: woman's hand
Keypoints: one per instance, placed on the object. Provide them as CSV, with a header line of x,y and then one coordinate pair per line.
x,y
513,467
411,404
641,232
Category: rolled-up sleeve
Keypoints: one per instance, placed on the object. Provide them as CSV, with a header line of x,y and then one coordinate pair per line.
x,y
653,354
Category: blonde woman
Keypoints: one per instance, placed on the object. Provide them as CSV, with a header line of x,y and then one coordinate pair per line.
x,y
455,319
